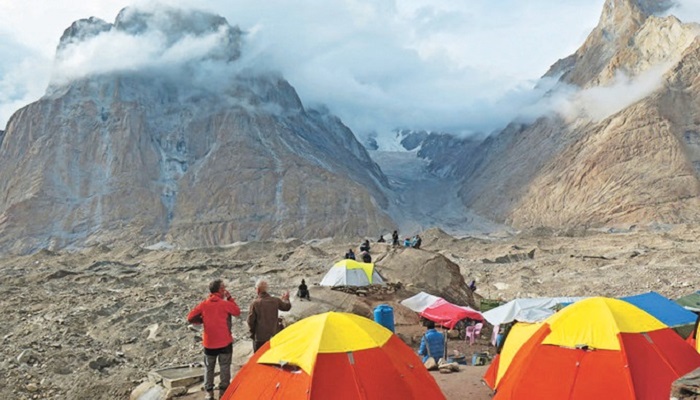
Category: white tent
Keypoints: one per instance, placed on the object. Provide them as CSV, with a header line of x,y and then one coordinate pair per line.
x,y
352,273
526,310
420,302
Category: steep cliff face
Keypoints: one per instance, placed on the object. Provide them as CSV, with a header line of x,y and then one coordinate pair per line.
x,y
148,155
619,22
638,165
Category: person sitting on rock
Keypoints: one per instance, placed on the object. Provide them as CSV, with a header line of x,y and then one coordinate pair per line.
x,y
303,292
366,258
350,255
432,344
381,239
416,242
365,246
407,242
472,285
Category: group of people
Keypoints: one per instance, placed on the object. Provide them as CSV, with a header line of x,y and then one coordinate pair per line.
x,y
215,315
364,253
365,256
414,242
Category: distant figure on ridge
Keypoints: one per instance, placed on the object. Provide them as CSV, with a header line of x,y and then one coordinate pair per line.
x,y
416,242
407,242
472,285
215,313
364,246
350,255
303,292
263,315
381,239
366,258
395,239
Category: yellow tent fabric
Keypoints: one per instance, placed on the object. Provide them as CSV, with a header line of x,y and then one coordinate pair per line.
x,y
331,332
518,335
604,318
352,264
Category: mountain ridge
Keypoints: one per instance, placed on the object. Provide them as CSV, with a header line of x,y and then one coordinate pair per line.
x,y
633,166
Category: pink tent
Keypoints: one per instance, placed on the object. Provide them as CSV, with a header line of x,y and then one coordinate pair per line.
x,y
447,314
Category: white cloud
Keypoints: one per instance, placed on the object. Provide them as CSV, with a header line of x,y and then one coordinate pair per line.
x,y
599,103
687,10
117,51
595,103
457,65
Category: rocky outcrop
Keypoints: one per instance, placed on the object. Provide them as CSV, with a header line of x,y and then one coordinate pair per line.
x,y
148,156
426,271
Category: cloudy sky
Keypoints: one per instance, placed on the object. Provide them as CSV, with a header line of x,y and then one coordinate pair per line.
x,y
456,65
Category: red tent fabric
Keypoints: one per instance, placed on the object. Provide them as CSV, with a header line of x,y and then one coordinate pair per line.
x,y
335,356
447,314
597,348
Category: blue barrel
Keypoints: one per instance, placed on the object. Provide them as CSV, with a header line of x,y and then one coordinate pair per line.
x,y
384,316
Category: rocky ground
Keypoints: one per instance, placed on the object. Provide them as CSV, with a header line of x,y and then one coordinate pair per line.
x,y
90,324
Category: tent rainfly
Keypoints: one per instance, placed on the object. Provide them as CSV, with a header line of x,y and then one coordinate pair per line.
x,y
595,348
526,310
351,273
440,310
334,356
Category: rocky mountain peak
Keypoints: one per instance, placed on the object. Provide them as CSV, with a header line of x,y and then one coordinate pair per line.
x,y
619,22
172,25
169,148
82,30
637,164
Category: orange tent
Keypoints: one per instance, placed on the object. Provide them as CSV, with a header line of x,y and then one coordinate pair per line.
x,y
334,356
596,348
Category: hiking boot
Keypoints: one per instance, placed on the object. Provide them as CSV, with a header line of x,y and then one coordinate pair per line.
x,y
209,395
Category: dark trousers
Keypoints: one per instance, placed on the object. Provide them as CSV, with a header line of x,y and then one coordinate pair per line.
x,y
258,344
210,356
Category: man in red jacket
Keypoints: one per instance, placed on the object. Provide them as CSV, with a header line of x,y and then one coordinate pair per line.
x,y
215,313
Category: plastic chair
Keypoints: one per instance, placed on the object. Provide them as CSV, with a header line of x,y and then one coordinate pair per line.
x,y
472,332
494,335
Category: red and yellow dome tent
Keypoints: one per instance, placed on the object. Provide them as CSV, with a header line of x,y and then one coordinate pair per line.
x,y
336,356
595,348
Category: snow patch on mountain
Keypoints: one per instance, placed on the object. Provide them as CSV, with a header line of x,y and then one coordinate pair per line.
x,y
421,200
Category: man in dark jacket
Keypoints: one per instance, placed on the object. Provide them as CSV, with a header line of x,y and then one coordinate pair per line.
x,y
263,315
350,255
215,313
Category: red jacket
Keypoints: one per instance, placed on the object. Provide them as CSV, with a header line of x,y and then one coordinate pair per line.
x,y
215,312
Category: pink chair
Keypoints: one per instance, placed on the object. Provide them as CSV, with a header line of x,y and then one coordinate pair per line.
x,y
472,332
494,335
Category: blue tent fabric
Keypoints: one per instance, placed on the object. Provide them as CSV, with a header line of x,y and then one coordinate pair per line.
x,y
663,309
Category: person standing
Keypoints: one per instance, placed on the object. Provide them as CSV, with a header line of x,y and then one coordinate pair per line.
x,y
263,314
395,239
214,313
